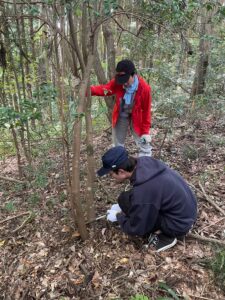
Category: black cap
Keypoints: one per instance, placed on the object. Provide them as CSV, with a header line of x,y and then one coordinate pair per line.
x,y
112,159
125,68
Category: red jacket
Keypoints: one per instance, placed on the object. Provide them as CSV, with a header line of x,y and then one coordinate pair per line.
x,y
141,112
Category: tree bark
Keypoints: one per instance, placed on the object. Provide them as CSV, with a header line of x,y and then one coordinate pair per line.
x,y
90,162
198,85
75,186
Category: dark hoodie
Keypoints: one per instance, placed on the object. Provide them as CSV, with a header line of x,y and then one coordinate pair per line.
x,y
158,193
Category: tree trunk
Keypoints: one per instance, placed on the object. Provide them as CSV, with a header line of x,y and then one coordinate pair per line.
x,y
75,186
198,85
111,52
18,155
90,161
102,80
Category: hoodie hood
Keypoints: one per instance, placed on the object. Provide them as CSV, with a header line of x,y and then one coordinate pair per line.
x,y
147,168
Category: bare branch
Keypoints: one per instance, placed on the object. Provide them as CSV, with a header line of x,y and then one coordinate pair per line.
x,y
210,201
124,29
11,179
205,239
14,217
27,220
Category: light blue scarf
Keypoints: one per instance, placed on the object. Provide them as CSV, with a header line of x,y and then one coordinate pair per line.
x,y
130,90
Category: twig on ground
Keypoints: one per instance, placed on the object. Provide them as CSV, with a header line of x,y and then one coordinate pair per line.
x,y
205,239
27,220
14,217
98,218
210,201
107,193
214,223
161,146
200,297
11,179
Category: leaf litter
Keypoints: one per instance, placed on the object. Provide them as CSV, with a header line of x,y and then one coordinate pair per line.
x,y
46,259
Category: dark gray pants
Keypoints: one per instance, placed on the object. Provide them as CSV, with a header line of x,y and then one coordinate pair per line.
x,y
119,133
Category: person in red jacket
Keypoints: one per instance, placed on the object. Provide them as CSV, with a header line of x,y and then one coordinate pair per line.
x,y
132,107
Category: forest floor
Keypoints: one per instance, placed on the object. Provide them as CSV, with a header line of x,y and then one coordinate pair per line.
x,y
43,257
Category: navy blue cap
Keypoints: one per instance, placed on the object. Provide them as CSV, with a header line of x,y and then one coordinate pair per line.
x,y
124,70
113,159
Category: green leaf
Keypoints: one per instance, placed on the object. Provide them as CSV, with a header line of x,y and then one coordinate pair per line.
x,y
34,10
165,287
139,297
164,298
222,11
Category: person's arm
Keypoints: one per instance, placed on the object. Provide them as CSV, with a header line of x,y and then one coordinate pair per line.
x,y
107,89
124,201
141,219
146,111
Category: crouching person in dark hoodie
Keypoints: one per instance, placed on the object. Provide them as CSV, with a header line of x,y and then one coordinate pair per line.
x,y
160,203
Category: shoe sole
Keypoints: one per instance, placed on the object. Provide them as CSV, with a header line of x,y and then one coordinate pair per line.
x,y
168,246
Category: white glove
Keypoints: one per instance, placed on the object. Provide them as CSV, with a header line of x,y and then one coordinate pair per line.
x,y
116,207
111,213
146,138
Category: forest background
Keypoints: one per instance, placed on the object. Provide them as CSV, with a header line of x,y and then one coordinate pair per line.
x,y
53,135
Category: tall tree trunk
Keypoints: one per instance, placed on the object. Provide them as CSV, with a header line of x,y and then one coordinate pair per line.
x,y
59,53
18,155
77,129
89,130
90,161
111,60
204,49
111,52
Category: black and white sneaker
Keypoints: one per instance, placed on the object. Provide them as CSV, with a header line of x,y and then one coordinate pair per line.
x,y
161,242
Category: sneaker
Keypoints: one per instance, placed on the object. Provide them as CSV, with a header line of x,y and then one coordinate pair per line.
x,y
161,242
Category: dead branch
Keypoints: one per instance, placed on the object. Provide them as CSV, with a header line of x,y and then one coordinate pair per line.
x,y
11,179
14,217
126,30
107,193
200,297
205,239
212,224
94,220
161,146
27,220
210,201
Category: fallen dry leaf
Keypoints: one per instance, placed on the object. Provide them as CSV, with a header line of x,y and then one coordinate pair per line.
x,y
76,234
2,243
65,228
96,279
124,260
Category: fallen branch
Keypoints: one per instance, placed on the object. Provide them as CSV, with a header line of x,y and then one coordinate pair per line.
x,y
205,239
200,297
210,201
98,218
212,224
27,220
14,217
11,179
107,193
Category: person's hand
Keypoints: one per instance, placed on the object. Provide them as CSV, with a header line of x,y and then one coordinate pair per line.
x,y
116,207
111,213
146,138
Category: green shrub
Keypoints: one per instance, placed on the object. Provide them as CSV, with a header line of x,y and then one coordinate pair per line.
x,y
10,206
217,265
139,297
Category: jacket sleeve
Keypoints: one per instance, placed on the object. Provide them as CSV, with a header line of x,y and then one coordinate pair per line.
x,y
141,219
146,111
124,201
107,89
